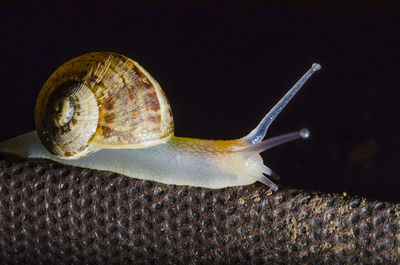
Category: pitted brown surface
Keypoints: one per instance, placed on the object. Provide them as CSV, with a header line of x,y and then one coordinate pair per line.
x,y
51,213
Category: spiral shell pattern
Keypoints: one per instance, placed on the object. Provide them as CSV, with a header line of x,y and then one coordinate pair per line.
x,y
101,100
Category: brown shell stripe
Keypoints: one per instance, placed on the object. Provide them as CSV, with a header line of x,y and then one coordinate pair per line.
x,y
131,108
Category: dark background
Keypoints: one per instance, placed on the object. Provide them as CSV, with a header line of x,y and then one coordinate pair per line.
x,y
224,68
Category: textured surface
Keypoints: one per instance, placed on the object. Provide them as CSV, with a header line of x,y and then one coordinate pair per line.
x,y
51,213
111,98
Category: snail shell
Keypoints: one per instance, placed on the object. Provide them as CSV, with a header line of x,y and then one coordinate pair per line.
x,y
101,100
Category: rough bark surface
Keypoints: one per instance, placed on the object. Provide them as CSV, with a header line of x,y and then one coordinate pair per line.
x,y
51,213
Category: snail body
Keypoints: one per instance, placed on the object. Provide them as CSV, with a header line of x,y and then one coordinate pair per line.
x,y
177,161
104,111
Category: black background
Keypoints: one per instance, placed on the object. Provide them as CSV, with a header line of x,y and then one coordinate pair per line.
x,y
224,68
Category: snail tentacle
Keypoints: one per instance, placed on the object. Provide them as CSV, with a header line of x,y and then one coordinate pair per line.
x,y
254,149
259,132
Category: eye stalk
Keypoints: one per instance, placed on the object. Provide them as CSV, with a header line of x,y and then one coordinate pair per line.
x,y
259,132
255,145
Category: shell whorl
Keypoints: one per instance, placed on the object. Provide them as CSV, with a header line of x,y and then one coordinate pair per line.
x,y
101,100
72,116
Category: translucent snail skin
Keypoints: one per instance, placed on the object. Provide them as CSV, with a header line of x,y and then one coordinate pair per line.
x,y
104,111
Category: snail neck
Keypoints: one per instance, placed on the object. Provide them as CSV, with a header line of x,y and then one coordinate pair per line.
x,y
206,145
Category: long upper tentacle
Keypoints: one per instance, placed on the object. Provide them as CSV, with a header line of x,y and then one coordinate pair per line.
x,y
259,132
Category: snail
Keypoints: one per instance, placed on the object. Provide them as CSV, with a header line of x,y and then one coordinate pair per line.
x,y
103,111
